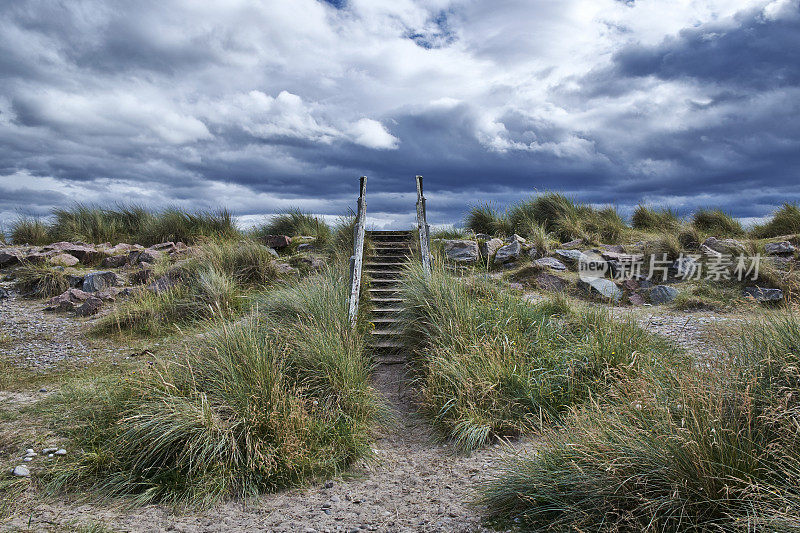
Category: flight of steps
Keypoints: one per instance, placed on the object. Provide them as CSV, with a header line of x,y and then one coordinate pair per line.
x,y
391,250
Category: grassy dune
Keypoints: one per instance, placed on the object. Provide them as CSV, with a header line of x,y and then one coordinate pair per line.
x,y
258,405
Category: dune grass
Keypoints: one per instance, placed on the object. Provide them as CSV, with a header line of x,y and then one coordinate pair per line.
x,y
492,365
784,221
40,281
484,218
653,219
710,448
717,223
259,405
294,223
132,224
214,282
29,230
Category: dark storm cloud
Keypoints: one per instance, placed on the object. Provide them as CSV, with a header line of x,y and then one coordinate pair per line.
x,y
263,106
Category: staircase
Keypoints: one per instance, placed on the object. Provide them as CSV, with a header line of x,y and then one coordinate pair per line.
x,y
391,250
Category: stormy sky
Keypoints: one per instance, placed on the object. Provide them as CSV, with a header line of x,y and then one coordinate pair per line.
x,y
264,105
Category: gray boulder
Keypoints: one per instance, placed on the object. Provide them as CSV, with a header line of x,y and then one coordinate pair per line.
x,y
483,236
306,247
762,294
8,258
65,260
461,251
114,261
4,294
779,248
490,247
509,252
725,246
90,307
602,287
662,294
21,471
551,263
571,245
100,281
572,256
272,252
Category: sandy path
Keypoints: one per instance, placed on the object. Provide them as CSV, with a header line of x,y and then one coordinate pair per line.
x,y
415,484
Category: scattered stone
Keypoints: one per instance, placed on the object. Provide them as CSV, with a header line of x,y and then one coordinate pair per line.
x,y
779,248
762,294
482,236
517,238
27,459
573,256
30,453
630,284
603,287
329,484
509,252
549,282
551,263
21,471
725,246
124,248
114,261
89,307
461,251
65,260
534,253
144,256
636,299
166,246
8,258
277,241
490,247
306,247
662,294
613,248
75,280
162,284
272,252
43,389
85,253
100,281
142,275
67,300
60,452
313,262
577,243
52,449
4,294
285,269
709,252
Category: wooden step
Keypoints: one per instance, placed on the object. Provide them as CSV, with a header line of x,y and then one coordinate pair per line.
x,y
386,310
388,300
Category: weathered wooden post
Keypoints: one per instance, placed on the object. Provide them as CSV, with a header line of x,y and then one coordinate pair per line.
x,y
357,260
424,230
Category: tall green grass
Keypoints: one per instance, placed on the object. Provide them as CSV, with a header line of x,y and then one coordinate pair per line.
x,y
492,365
133,224
484,218
40,281
710,448
784,221
295,223
650,219
258,405
29,230
717,223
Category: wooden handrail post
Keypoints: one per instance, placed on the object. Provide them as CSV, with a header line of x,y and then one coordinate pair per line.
x,y
424,229
357,259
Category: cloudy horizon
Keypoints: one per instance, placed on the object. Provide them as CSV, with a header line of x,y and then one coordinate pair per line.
x,y
260,106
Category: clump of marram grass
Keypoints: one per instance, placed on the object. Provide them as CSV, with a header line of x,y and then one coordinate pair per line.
x,y
492,365
784,221
40,281
717,223
450,233
484,218
711,448
295,223
132,224
189,227
260,405
29,230
213,282
651,219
